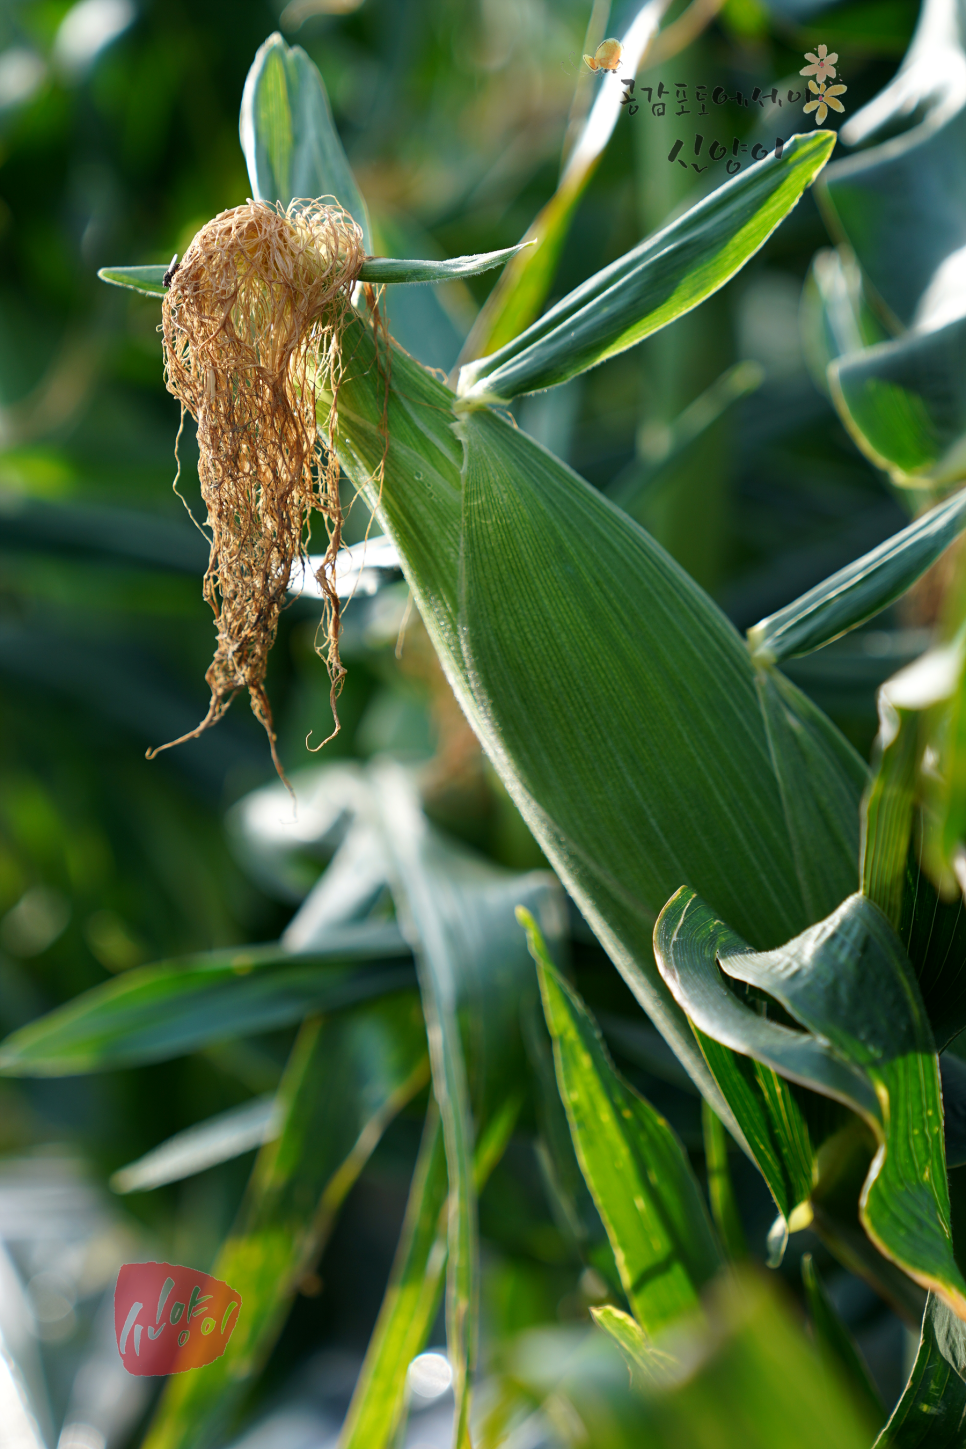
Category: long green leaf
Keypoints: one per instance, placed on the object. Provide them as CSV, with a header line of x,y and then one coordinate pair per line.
x,y
805,751
906,815
347,1079
156,1012
197,1148
409,1305
150,280
412,1297
630,1338
867,1043
932,1411
393,269
457,912
290,143
859,591
664,277
570,1201
670,748
637,1171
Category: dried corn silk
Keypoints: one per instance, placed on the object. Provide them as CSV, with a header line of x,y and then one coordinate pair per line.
x,y
252,320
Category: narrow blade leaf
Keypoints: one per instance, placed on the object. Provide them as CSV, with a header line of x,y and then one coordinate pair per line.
x,y
393,269
149,280
932,1409
156,1012
664,277
637,1171
860,590
219,1139
457,912
409,1306
415,1287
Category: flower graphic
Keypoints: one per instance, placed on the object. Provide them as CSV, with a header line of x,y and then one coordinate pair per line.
x,y
825,97
823,64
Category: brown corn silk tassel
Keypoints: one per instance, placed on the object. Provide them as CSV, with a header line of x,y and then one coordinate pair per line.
x,y
252,323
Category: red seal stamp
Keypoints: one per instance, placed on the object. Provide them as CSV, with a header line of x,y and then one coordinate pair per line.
x,y
170,1319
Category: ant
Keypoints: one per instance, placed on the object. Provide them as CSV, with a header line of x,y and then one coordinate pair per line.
x,y
168,277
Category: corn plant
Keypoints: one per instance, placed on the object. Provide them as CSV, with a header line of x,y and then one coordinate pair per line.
x,y
790,921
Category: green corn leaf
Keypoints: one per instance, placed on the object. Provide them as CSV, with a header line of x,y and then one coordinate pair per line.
x,y
156,1012
901,207
631,1339
412,1297
219,1139
546,635
615,700
905,812
637,1171
903,400
458,912
837,1346
392,269
520,293
804,749
149,280
860,590
664,277
888,809
409,1305
570,1200
867,1043
346,1080
928,86
932,1410
835,318
905,406
721,1192
768,1115
291,146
